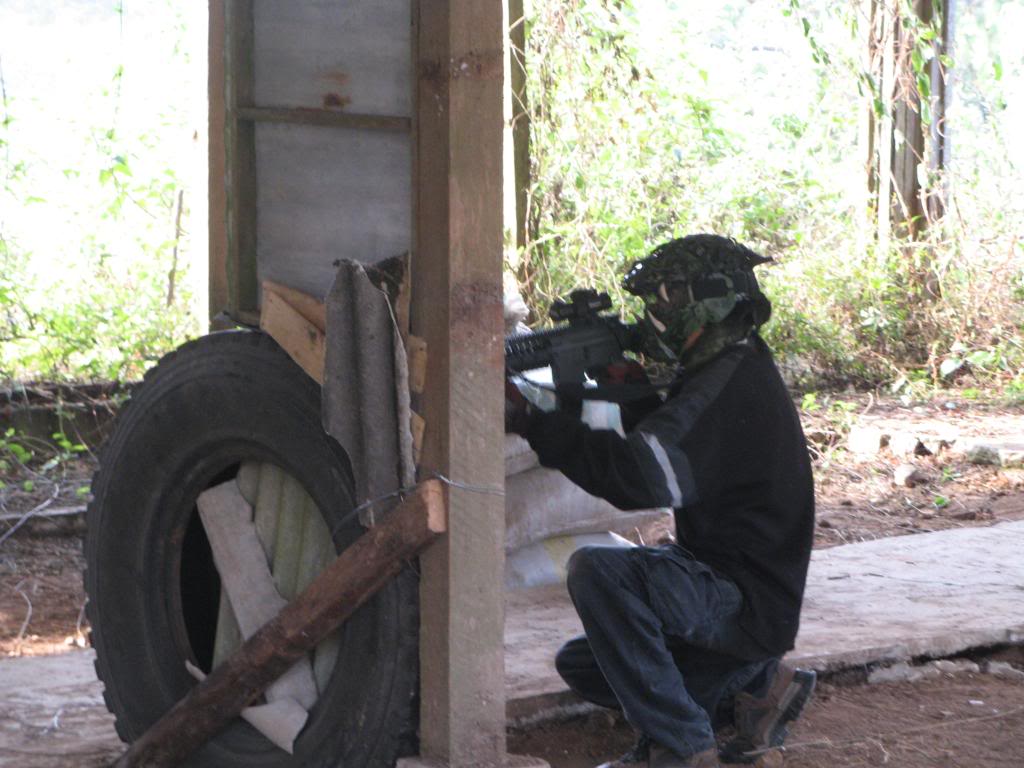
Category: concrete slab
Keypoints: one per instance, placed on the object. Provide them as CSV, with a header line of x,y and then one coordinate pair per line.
x,y
52,713
932,595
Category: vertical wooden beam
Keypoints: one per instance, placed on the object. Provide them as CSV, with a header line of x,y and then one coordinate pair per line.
x,y
457,309
240,152
218,277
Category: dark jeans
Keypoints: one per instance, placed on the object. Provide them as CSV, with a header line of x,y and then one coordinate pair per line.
x,y
662,642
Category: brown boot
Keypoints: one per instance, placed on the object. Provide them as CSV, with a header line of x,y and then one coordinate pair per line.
x,y
663,758
762,722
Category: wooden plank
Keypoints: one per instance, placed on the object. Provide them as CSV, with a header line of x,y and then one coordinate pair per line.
x,y
457,309
240,175
309,307
357,573
324,118
306,343
217,200
416,350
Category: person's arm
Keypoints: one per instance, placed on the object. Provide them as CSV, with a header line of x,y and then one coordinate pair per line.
x,y
635,472
647,468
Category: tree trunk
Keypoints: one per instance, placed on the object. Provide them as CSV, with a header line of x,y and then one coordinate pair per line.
x,y
903,149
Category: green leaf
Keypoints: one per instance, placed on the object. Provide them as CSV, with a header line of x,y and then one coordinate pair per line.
x,y
28,486
917,60
997,69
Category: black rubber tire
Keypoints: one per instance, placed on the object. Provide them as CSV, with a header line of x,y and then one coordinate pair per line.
x,y
202,410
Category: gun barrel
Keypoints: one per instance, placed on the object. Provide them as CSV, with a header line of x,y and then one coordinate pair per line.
x,y
570,350
527,351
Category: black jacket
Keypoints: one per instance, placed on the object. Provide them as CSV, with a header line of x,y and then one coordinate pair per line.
x,y
727,452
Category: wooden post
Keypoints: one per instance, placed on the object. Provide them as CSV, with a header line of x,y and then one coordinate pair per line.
x,y
218,275
357,573
457,310
240,140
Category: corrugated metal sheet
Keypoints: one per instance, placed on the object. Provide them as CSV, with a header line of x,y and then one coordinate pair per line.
x,y
365,405
297,544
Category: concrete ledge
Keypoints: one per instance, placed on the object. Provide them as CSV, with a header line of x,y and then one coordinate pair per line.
x,y
928,595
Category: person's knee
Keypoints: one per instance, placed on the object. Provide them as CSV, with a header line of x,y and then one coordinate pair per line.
x,y
573,657
590,565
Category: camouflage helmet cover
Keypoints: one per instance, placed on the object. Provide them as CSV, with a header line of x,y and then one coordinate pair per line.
x,y
691,282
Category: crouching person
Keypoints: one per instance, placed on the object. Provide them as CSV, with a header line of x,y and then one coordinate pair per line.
x,y
687,637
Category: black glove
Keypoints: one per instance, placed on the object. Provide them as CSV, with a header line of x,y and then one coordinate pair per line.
x,y
517,410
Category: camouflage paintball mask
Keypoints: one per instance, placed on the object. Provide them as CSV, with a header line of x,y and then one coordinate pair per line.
x,y
690,283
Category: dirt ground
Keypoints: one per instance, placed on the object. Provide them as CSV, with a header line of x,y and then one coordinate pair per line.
x,y
41,563
911,725
966,721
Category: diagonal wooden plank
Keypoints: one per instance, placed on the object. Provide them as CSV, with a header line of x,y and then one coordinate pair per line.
x,y
303,341
308,306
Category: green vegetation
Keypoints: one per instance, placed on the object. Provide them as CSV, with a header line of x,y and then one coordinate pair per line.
x,y
743,119
649,120
35,460
94,201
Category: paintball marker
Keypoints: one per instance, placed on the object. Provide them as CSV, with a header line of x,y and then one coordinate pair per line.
x,y
589,343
